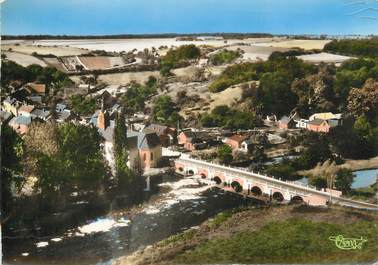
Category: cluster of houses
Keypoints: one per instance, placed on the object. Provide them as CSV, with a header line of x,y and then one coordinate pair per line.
x,y
318,122
145,140
191,140
25,105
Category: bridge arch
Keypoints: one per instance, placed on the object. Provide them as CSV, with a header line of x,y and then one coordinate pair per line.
x,y
255,190
236,186
297,199
217,180
277,196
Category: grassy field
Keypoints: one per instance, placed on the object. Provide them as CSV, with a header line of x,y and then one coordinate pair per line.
x,y
268,235
292,241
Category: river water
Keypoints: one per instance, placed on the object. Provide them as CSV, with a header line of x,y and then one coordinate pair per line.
x,y
180,204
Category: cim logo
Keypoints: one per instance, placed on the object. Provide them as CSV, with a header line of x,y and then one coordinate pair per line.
x,y
347,243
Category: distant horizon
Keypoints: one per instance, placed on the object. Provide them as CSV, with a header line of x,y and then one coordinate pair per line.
x,y
142,17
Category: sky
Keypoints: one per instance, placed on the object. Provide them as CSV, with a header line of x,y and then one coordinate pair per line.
x,y
106,17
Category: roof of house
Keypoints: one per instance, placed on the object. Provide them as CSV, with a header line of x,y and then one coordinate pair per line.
x,y
144,140
21,120
40,113
37,99
194,136
325,116
237,138
316,122
157,128
39,88
26,108
64,115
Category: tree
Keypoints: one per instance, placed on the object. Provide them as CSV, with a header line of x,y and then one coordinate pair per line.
x,y
62,157
129,181
344,180
83,106
224,57
259,155
164,111
11,168
225,154
364,101
318,182
224,116
275,93
175,56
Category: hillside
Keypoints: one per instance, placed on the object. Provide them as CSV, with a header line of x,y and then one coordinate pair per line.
x,y
293,234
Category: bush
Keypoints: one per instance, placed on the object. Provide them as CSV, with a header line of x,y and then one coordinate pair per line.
x,y
224,57
285,171
223,116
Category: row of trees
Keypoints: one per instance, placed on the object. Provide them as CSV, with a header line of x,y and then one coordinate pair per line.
x,y
290,67
11,71
365,47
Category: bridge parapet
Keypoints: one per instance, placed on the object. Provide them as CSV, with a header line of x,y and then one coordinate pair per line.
x,y
268,185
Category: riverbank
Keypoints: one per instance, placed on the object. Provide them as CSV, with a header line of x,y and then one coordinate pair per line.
x,y
179,203
255,235
354,165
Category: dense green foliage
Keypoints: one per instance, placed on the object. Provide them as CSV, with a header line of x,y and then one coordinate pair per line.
x,y
224,154
317,149
223,116
224,57
344,180
11,167
284,171
69,156
318,182
11,71
83,106
292,241
175,56
129,181
235,74
136,95
165,111
364,47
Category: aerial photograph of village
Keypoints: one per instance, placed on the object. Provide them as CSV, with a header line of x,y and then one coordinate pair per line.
x,y
167,132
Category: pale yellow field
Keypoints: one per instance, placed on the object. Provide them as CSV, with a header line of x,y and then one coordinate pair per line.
x,y
58,51
24,59
304,44
122,78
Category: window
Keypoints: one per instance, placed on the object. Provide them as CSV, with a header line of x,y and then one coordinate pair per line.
x,y
144,157
152,156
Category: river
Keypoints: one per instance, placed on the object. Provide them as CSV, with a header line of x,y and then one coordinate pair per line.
x,y
181,203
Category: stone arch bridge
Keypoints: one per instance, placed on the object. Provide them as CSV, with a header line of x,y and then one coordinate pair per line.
x,y
250,182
